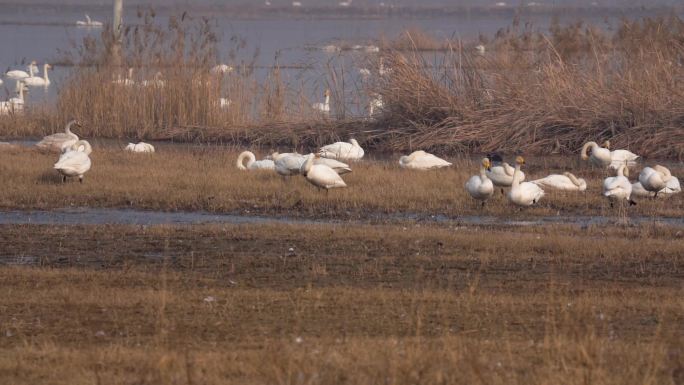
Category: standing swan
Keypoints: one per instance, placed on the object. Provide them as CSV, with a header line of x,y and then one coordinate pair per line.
x,y
421,160
252,163
342,150
525,193
60,140
565,182
654,178
75,161
672,187
479,186
618,187
35,81
321,175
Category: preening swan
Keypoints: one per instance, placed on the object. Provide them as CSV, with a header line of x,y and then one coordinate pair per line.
x,y
325,106
35,81
654,178
75,161
599,156
565,182
479,186
342,150
525,193
501,173
252,163
139,147
89,23
287,164
320,175
421,160
60,140
603,157
618,187
19,74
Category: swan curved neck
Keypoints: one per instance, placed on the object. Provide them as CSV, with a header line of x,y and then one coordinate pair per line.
x,y
586,147
516,176
573,179
307,165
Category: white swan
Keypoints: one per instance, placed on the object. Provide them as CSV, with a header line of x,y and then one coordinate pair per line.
x,y
19,74
14,105
156,81
599,156
654,178
342,150
60,140
339,167
221,69
480,49
479,186
287,164
565,182
325,106
501,173
421,160
224,103
672,187
34,81
75,161
127,81
320,175
375,104
618,157
139,147
89,23
252,163
525,193
618,187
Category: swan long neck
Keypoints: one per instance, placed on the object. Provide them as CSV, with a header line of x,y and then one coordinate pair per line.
x,y
241,160
483,173
586,147
516,176
354,142
327,101
573,179
623,171
45,73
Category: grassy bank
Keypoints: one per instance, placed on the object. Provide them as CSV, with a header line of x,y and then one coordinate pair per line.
x,y
535,91
205,178
334,304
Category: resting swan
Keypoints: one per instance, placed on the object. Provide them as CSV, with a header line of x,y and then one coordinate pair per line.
x,y
342,150
139,147
618,187
525,193
321,175
252,163
61,140
565,182
75,161
654,178
672,187
421,160
479,186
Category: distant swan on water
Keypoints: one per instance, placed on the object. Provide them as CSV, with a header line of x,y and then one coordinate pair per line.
x,y
19,74
89,22
36,81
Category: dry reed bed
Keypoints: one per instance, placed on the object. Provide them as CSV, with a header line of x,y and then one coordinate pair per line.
x,y
490,305
205,178
537,92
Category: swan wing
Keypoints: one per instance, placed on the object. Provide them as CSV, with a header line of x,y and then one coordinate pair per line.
x,y
324,177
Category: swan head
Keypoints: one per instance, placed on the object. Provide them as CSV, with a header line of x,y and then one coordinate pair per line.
x,y
606,144
519,160
487,164
326,93
353,141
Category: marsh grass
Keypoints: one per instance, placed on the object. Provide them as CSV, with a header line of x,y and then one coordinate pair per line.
x,y
205,178
406,305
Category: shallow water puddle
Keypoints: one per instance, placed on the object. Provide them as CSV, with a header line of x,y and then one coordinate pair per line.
x,y
103,216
